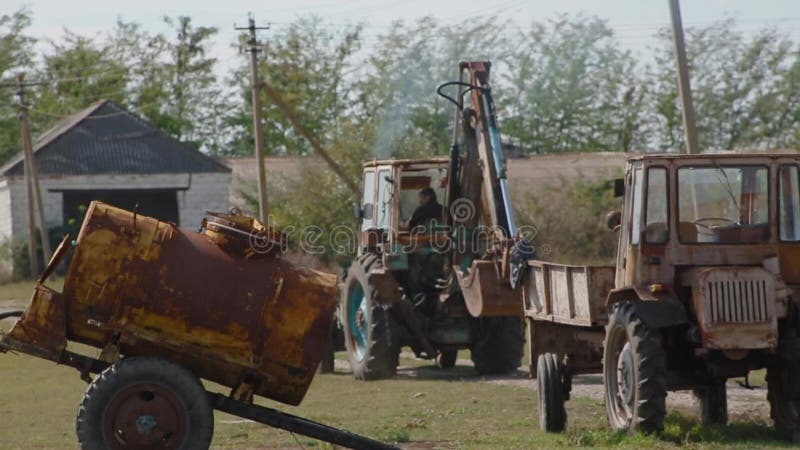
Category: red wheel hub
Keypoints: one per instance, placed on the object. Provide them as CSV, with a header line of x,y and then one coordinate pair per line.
x,y
145,416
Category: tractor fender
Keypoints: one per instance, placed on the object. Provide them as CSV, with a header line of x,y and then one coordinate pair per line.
x,y
657,310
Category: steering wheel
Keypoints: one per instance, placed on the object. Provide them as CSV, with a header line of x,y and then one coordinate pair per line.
x,y
698,222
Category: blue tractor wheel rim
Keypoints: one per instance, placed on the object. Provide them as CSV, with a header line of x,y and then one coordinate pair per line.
x,y
358,318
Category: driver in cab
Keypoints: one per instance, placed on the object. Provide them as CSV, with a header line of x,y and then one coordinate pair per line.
x,y
428,211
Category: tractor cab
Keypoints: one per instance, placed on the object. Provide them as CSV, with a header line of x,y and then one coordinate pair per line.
x,y
720,233
392,195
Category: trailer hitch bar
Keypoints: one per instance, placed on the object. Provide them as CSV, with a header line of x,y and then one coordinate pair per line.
x,y
294,424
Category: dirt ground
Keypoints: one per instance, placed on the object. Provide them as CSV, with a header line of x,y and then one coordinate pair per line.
x,y
743,403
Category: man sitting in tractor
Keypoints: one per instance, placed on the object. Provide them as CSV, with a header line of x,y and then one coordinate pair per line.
x,y
429,210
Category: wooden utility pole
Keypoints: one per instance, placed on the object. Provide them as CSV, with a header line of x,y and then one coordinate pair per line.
x,y
687,106
32,183
258,127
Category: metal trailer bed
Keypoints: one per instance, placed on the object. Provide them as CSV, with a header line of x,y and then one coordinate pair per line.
x,y
565,313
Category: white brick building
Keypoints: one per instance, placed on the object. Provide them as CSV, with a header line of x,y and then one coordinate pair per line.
x,y
108,153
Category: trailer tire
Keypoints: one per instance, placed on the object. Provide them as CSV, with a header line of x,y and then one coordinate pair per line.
x,y
634,366
549,380
171,407
713,400
783,394
370,334
446,359
499,347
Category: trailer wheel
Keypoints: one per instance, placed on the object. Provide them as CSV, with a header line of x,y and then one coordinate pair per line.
x,y
633,372
549,380
446,359
145,403
498,349
713,401
784,398
369,332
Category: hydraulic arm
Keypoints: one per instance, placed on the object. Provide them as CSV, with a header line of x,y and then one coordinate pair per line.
x,y
489,251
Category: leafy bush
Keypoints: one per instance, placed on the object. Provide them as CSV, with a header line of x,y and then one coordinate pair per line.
x,y
14,262
569,220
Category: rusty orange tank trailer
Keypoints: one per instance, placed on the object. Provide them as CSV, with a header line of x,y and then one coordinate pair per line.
x,y
169,306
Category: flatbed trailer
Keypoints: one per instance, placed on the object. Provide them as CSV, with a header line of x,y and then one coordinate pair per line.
x,y
565,311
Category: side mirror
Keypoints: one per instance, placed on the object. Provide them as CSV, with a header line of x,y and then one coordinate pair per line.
x,y
619,187
358,213
614,220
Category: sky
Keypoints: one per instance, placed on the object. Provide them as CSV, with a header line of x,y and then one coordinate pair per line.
x,y
635,21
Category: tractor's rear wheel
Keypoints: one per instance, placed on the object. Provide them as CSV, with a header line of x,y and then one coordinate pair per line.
x,y
633,372
498,349
550,383
784,398
369,332
713,401
145,403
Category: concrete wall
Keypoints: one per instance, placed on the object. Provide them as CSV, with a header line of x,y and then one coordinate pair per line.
x,y
5,210
6,269
279,170
19,206
532,173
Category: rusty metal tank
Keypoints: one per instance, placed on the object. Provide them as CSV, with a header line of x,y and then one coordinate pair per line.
x,y
221,302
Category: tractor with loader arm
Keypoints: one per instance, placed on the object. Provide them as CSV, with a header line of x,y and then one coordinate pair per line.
x,y
706,287
447,284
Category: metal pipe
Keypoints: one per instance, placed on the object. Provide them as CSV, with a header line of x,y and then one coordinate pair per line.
x,y
295,424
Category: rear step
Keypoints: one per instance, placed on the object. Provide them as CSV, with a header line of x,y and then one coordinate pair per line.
x,y
299,425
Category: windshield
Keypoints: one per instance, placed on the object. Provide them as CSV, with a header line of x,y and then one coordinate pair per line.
x,y
723,204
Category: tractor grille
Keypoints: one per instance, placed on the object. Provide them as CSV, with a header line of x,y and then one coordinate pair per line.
x,y
735,307
738,301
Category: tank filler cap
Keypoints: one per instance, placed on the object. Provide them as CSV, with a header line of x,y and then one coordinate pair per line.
x,y
240,235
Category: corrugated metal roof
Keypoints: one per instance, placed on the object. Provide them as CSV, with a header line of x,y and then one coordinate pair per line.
x,y
105,138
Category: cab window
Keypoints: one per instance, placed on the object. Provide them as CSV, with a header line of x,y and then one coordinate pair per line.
x,y
789,203
636,215
656,224
367,201
727,204
412,182
384,213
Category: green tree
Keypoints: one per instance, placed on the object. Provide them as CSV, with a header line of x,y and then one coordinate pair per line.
x,y
176,86
16,50
569,219
310,66
77,71
406,65
744,89
169,80
571,88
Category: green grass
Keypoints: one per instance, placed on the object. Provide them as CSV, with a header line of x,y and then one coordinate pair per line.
x,y
17,293
39,401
